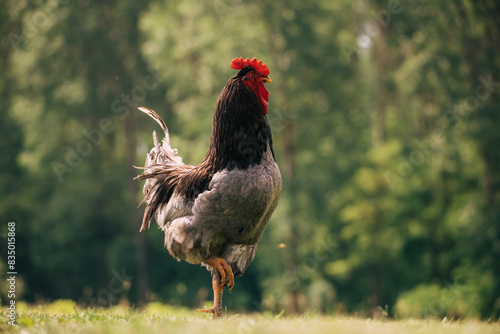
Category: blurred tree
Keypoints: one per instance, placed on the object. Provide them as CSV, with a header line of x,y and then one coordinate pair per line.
x,y
385,121
86,75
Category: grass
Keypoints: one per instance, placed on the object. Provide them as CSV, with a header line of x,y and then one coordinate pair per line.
x,y
64,317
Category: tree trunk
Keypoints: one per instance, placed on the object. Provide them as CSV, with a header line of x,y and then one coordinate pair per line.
x,y
139,238
381,59
288,173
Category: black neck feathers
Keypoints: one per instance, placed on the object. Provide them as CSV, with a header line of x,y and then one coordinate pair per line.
x,y
240,131
240,137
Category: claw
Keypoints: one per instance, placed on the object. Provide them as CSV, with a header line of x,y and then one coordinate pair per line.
x,y
229,282
224,270
207,310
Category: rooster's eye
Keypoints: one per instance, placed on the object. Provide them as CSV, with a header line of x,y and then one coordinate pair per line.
x,y
251,74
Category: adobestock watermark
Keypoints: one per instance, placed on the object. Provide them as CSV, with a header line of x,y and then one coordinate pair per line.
x,y
448,296
117,284
39,19
454,117
11,273
121,108
371,28
222,6
279,119
246,326
294,278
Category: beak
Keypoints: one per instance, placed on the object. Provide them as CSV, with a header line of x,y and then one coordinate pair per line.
x,y
266,80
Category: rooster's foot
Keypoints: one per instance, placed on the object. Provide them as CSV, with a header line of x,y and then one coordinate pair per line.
x,y
208,310
218,288
224,270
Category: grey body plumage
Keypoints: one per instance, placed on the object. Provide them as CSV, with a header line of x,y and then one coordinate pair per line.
x,y
226,220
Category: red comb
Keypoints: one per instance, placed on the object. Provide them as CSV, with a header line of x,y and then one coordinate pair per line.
x,y
239,63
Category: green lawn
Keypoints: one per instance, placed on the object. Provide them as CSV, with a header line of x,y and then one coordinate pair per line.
x,y
62,317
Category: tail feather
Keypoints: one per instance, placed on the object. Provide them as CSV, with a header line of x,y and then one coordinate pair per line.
x,y
159,171
163,154
151,113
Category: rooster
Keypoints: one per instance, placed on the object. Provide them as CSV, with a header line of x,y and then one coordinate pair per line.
x,y
214,214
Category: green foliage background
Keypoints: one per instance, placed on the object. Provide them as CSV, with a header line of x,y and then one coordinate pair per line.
x,y
385,117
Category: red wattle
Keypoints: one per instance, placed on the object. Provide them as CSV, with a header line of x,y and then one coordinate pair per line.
x,y
263,96
261,92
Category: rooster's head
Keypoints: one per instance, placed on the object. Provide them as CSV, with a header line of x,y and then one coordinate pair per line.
x,y
254,74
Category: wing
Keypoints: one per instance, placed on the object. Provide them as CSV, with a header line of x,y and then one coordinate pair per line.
x,y
238,204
